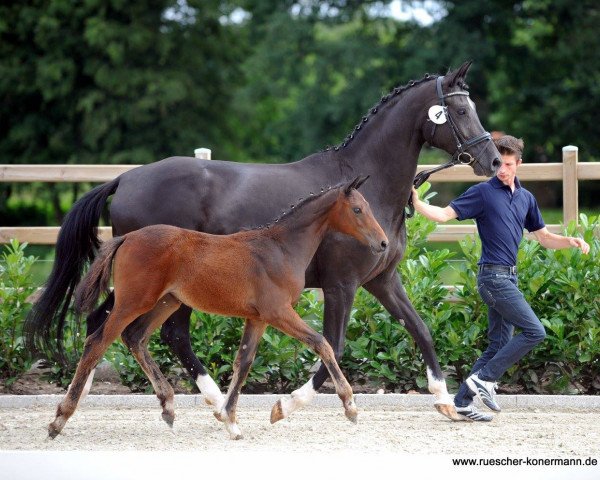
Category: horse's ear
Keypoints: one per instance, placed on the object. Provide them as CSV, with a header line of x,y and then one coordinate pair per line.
x,y
355,184
459,74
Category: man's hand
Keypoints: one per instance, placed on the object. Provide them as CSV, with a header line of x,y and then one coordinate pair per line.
x,y
579,243
415,195
552,240
432,212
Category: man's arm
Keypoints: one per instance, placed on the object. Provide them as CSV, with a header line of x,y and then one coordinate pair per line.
x,y
437,214
551,240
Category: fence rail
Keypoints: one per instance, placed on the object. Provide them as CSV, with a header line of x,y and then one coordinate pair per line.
x,y
570,172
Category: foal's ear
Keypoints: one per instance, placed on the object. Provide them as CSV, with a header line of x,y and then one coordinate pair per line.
x,y
459,74
355,184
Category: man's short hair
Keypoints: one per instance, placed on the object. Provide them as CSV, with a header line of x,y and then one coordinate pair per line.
x,y
509,145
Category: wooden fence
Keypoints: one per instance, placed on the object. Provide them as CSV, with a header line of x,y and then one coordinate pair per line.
x,y
570,171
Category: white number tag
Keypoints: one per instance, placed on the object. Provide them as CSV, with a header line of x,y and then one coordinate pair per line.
x,y
437,114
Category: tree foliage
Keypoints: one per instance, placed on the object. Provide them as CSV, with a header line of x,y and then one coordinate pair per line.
x,y
113,81
539,63
109,81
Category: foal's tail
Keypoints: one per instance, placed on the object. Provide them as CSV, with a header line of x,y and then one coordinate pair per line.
x,y
76,246
98,277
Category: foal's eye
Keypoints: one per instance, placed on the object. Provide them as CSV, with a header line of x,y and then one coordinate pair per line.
x,y
461,111
357,210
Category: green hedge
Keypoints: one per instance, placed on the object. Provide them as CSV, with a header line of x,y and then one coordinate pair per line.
x,y
563,287
15,288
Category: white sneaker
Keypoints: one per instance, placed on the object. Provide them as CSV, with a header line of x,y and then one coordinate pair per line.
x,y
471,412
486,391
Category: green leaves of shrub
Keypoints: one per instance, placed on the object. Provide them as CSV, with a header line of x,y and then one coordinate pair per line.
x,y
15,288
563,288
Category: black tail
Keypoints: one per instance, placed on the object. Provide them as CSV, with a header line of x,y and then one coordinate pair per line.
x,y
76,246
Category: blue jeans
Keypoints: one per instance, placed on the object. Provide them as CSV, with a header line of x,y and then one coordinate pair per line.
x,y
507,308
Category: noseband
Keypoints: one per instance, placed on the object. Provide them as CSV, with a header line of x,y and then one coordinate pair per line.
x,y
461,156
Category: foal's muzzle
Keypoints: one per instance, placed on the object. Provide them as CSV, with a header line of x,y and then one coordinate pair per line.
x,y
379,246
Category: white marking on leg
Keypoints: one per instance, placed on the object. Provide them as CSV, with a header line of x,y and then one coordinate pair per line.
x,y
231,425
86,388
211,392
438,388
88,385
234,431
303,396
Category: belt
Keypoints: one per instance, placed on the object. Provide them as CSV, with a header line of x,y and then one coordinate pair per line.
x,y
488,267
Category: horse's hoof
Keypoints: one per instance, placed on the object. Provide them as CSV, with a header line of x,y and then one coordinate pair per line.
x,y
277,412
448,410
236,436
208,402
169,418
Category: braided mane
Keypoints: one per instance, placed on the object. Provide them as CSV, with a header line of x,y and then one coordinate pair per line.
x,y
286,214
375,108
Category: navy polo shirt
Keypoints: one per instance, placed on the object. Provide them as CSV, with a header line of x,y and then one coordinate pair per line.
x,y
501,216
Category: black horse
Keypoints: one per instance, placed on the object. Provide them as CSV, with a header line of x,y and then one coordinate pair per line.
x,y
212,196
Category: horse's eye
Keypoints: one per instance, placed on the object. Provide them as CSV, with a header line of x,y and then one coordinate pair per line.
x,y
357,210
461,111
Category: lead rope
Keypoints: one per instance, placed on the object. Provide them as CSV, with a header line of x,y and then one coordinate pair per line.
x,y
422,177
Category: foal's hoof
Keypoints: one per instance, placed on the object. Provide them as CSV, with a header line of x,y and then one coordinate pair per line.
x,y
448,410
53,431
277,412
218,416
350,410
352,415
234,431
169,418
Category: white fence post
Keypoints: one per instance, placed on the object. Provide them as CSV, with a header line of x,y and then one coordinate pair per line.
x,y
570,184
203,153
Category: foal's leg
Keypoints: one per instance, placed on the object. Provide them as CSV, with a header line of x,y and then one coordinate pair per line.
x,y
94,321
175,332
338,304
291,324
136,337
388,289
95,346
253,331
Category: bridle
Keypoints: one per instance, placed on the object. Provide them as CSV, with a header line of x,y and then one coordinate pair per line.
x,y
461,156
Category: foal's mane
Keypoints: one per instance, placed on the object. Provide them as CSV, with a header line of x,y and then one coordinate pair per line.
x,y
295,207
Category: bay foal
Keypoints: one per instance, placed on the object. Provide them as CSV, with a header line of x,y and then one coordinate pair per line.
x,y
255,274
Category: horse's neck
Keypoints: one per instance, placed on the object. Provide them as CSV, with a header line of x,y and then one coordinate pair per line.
x,y
387,150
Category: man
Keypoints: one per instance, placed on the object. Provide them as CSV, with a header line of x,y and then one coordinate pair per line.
x,y
501,209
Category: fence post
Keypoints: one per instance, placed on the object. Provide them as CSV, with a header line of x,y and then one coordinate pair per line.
x,y
203,153
570,184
